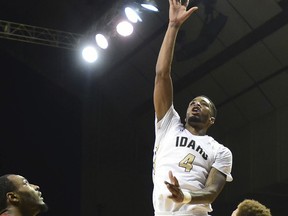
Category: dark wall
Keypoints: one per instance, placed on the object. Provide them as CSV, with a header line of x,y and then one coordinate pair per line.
x,y
40,135
117,160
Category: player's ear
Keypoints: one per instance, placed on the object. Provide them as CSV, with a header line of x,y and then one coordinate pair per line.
x,y
212,120
12,197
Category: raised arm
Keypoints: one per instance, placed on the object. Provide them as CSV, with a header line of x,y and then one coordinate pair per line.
x,y
163,87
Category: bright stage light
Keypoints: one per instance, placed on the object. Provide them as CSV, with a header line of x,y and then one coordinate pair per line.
x,y
101,41
125,28
132,11
89,54
150,5
132,15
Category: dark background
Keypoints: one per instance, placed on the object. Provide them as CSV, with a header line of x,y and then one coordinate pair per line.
x,y
85,133
41,135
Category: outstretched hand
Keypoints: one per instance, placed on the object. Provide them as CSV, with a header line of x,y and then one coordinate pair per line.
x,y
178,12
176,193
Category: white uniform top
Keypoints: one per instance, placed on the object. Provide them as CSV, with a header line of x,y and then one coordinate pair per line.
x,y
190,158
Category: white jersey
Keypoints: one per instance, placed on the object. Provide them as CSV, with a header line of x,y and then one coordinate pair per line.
x,y
190,158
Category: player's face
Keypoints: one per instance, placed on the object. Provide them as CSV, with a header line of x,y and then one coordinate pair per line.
x,y
28,195
199,111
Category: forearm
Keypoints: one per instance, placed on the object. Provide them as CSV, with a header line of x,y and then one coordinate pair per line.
x,y
163,88
213,187
165,57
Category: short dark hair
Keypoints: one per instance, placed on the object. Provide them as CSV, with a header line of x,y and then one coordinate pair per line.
x,y
6,185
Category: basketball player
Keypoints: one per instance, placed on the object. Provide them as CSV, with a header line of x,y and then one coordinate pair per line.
x,y
190,168
19,198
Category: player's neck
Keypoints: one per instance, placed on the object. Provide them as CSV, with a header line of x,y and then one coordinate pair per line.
x,y
195,130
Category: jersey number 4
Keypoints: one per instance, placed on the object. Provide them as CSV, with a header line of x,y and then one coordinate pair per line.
x,y
187,162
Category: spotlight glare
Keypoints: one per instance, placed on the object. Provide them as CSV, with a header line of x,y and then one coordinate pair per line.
x,y
150,7
132,15
125,28
89,54
101,41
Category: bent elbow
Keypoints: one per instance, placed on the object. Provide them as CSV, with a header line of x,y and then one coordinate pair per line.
x,y
213,195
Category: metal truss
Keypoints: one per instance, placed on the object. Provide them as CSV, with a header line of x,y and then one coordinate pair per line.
x,y
38,35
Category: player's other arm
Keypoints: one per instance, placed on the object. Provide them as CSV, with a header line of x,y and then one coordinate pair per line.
x,y
214,185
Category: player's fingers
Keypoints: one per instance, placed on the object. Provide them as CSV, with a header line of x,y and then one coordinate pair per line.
x,y
172,188
173,2
176,183
167,183
170,174
192,10
170,196
185,3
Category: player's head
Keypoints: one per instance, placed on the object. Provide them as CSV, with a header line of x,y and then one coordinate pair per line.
x,y
201,111
250,207
17,193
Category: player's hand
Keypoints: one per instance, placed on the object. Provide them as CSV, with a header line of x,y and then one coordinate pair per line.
x,y
178,12
176,193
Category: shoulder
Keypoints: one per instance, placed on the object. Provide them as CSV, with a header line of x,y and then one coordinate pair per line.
x,y
220,148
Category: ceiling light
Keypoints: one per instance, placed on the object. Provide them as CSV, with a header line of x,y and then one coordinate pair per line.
x,y
89,54
150,5
125,28
132,15
101,41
